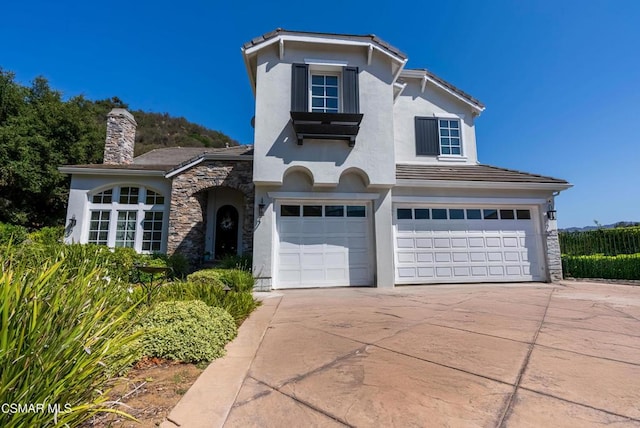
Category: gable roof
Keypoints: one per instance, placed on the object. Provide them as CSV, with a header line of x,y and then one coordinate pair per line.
x,y
426,75
366,38
480,174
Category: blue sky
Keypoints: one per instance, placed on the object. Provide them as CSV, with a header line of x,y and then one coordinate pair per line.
x,y
560,79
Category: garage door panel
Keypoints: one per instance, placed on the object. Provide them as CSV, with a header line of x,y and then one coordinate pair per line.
x,y
443,272
477,257
511,256
461,271
426,272
461,257
405,243
406,257
325,250
424,242
461,250
442,243
424,257
406,272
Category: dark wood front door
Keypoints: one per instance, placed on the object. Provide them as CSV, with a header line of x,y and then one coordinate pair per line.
x,y
226,231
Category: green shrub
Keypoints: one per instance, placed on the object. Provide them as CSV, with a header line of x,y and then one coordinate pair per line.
x,y
623,266
186,331
47,235
610,242
11,233
236,279
61,322
243,262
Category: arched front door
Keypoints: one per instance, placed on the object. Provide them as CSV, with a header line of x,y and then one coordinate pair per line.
x,y
226,231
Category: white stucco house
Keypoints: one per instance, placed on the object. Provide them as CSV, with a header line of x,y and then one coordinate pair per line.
x,y
363,172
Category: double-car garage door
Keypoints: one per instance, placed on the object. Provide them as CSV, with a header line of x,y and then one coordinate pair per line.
x,y
454,244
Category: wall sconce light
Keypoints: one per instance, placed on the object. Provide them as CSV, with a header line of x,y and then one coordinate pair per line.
x,y
551,214
261,207
73,221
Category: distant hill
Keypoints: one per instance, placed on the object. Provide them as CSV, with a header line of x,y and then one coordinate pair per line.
x,y
159,130
606,226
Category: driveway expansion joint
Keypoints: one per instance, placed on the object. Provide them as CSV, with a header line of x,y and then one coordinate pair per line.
x,y
509,405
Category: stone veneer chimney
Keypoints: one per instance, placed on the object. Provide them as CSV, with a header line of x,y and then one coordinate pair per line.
x,y
121,136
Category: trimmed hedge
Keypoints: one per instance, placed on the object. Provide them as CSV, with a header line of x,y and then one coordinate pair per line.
x,y
623,266
187,331
610,242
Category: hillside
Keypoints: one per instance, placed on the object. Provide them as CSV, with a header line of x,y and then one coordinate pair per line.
x,y
40,131
158,130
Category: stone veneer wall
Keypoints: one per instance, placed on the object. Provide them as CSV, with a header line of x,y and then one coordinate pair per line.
x,y
554,260
121,136
187,216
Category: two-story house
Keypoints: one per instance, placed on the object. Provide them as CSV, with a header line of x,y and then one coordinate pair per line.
x,y
362,172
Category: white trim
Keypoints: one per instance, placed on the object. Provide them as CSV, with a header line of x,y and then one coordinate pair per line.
x,y
109,171
480,184
421,74
453,200
452,158
400,87
323,196
326,62
321,39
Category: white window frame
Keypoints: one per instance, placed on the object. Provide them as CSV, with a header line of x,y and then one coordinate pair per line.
x,y
338,76
141,208
459,137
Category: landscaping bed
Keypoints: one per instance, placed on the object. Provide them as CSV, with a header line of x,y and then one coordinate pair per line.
x,y
77,333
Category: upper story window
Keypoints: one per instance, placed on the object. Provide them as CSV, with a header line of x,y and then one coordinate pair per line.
x,y
127,216
438,136
325,92
449,136
324,89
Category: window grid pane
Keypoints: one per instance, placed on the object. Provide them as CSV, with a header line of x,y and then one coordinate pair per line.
x,y
356,211
129,195
154,198
99,227
312,211
126,229
290,210
103,197
152,227
405,214
450,137
324,94
334,211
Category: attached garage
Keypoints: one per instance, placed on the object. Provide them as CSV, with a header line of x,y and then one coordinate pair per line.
x,y
439,244
323,244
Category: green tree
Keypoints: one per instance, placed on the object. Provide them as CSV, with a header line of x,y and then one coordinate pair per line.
x,y
39,131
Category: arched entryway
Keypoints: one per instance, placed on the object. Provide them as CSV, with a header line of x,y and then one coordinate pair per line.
x,y
226,231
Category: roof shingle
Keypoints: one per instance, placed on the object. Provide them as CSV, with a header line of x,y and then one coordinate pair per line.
x,y
485,173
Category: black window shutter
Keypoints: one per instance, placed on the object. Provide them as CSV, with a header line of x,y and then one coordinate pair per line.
x,y
351,99
299,87
427,139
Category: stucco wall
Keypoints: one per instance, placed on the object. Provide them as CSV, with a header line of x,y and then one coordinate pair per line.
x,y
276,147
433,102
83,185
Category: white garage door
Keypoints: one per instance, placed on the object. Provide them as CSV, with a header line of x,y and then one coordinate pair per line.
x,y
446,244
323,245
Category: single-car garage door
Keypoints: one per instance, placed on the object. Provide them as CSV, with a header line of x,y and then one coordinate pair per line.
x,y
452,244
323,245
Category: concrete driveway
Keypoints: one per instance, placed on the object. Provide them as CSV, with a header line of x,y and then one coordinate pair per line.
x,y
456,355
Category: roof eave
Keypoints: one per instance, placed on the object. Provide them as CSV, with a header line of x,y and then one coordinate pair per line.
x,y
422,74
206,156
510,185
72,170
